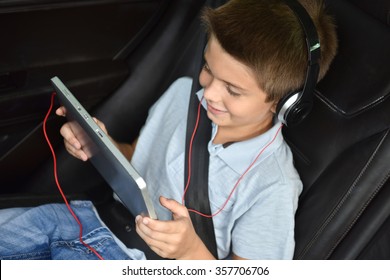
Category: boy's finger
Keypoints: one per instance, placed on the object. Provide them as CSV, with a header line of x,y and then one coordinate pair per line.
x,y
61,111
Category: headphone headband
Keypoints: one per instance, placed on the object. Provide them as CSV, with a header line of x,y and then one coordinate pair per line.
x,y
312,41
297,105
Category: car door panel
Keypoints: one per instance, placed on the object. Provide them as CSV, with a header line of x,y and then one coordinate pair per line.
x,y
85,43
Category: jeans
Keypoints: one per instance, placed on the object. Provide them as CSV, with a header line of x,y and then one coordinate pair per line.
x,y
50,232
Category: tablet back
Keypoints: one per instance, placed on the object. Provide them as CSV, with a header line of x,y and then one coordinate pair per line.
x,y
124,180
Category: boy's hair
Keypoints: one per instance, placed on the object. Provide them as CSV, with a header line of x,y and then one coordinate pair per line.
x,y
266,36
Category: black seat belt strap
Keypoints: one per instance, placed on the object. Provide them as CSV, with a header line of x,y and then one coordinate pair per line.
x,y
197,196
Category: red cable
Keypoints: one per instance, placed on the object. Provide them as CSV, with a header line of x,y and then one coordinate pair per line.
x,y
190,152
239,179
58,184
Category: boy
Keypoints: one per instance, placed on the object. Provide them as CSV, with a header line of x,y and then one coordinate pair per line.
x,y
256,54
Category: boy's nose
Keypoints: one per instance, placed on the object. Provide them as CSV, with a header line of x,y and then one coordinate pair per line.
x,y
212,92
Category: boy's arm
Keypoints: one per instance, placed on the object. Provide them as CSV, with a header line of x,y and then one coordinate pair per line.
x,y
126,149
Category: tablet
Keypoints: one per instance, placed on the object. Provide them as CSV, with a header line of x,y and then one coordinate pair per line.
x,y
124,180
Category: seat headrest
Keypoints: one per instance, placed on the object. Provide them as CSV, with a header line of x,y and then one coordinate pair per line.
x,y
379,9
358,78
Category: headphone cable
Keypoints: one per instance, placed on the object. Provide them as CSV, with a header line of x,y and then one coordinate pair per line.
x,y
57,181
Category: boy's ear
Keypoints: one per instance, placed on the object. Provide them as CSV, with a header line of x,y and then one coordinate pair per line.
x,y
274,105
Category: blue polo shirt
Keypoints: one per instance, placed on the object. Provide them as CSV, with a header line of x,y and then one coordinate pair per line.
x,y
258,220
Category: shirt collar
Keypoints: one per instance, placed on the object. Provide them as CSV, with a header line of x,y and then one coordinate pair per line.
x,y
240,155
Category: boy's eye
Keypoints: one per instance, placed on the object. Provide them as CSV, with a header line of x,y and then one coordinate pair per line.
x,y
206,68
231,92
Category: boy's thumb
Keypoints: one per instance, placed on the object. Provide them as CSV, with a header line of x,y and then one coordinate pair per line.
x,y
175,207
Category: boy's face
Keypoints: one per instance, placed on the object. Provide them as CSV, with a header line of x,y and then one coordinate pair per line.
x,y
234,99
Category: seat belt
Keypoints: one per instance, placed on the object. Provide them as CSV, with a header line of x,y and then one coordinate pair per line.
x,y
197,196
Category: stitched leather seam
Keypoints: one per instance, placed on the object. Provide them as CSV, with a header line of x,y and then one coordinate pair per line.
x,y
355,113
348,229
342,201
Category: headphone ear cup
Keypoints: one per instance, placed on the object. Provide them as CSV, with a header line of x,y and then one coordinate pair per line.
x,y
294,107
291,110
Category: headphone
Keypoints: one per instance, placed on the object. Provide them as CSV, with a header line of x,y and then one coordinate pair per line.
x,y
295,106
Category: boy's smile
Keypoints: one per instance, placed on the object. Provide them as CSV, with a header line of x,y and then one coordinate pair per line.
x,y
214,110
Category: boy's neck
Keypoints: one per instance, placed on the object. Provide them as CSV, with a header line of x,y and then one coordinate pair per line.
x,y
226,134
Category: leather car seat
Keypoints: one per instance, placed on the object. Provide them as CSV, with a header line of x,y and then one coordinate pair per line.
x,y
342,150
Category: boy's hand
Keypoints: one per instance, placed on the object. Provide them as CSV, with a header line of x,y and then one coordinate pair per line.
x,y
72,144
175,239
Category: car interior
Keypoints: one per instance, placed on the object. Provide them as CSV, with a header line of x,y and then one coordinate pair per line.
x,y
118,56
